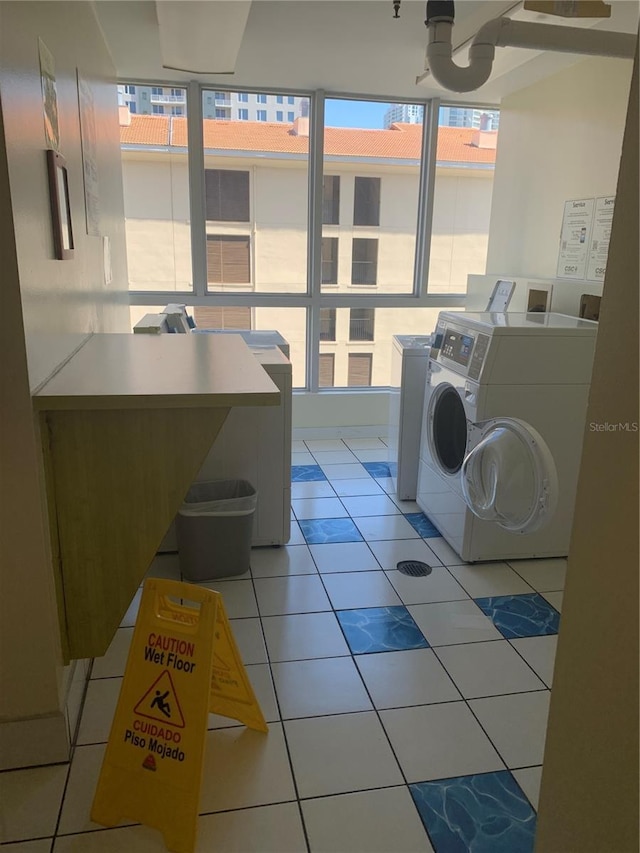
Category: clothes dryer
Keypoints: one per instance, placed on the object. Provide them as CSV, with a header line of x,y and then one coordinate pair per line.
x,y
503,422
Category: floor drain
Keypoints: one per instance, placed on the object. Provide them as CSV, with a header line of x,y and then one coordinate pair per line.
x,y
414,568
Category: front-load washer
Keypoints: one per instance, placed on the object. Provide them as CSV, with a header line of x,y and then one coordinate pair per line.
x,y
503,422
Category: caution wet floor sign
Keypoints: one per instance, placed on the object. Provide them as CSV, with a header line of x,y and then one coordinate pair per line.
x,y
183,663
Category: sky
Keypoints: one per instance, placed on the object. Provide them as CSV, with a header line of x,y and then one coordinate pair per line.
x,y
368,114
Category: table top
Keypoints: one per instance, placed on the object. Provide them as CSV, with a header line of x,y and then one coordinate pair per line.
x,y
126,371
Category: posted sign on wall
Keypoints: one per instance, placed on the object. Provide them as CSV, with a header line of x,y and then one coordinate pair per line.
x,y
584,238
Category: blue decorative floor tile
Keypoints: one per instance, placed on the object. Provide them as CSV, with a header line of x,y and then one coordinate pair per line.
x,y
318,531
420,522
520,615
305,473
483,813
377,469
380,629
393,468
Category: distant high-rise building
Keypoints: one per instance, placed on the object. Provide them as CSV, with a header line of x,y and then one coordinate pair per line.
x,y
237,106
405,113
449,116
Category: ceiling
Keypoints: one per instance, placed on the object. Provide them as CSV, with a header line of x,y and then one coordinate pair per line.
x,y
346,46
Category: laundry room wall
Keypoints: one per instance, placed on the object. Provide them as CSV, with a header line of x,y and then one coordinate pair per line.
x,y
559,139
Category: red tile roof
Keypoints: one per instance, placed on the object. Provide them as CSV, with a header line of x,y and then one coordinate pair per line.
x,y
400,141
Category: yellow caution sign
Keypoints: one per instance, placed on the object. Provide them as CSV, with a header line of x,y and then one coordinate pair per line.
x,y
152,769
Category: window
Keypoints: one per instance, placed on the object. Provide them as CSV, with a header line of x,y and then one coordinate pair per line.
x,y
359,368
366,201
243,115
132,107
328,324
220,96
291,100
279,99
364,261
279,115
243,97
331,199
261,99
177,111
361,324
291,117
222,317
156,90
327,365
158,109
177,93
226,195
228,259
329,260
261,115
130,90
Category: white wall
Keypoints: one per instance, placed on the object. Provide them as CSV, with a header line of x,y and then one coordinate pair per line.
x,y
49,306
559,139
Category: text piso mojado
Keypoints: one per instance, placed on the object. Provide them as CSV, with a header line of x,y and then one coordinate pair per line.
x,y
605,426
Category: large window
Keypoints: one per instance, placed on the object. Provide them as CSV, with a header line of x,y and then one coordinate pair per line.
x,y
366,201
327,369
364,261
228,259
327,324
226,195
360,364
329,260
361,324
222,317
331,199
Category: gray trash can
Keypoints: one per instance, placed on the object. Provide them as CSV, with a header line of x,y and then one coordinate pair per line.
x,y
214,526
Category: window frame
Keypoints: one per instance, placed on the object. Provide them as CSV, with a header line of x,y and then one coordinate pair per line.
x,y
314,298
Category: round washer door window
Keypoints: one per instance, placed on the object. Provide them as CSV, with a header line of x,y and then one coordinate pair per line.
x,y
448,429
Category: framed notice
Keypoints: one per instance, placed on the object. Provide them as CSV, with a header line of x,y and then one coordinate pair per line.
x,y
60,206
49,96
575,238
600,236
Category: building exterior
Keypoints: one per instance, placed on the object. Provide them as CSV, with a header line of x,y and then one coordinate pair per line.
x,y
256,196
450,116
405,113
232,106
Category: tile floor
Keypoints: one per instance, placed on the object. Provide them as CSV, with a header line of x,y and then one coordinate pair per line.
x,y
406,714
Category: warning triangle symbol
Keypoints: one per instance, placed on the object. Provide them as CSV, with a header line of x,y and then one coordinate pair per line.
x,y
160,702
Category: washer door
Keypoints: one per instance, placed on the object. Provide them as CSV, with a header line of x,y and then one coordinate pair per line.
x,y
447,428
510,476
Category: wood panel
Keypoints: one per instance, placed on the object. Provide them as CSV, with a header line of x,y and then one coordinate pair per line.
x,y
117,478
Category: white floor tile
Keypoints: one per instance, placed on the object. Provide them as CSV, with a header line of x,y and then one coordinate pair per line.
x,y
129,618
387,484
296,537
334,457
312,489
43,845
542,575
245,768
344,557
165,566
405,506
445,552
554,599
350,590
373,454
314,688
237,596
364,443
319,508
488,669
331,755
453,622
113,663
295,594
438,586
368,822
438,741
413,677
303,458
370,505
539,653
30,801
298,447
385,527
83,779
325,444
487,579
99,708
266,829
248,636
259,676
361,486
516,724
290,560
141,839
344,472
529,780
391,551
308,635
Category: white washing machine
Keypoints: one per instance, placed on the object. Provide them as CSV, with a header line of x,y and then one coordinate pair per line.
x,y
409,361
503,422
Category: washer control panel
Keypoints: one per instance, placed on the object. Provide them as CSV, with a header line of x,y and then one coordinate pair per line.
x,y
463,349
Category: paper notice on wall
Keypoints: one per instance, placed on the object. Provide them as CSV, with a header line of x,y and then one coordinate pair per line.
x,y
49,96
89,156
575,238
600,236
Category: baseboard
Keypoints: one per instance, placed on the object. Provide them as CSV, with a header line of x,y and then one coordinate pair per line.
x,y
312,433
34,741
